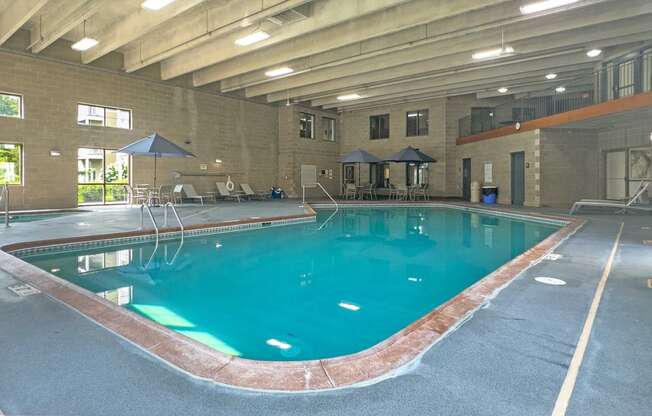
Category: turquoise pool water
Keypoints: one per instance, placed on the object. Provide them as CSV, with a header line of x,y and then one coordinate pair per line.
x,y
297,293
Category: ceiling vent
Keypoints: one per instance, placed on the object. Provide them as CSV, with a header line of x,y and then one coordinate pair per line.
x,y
292,15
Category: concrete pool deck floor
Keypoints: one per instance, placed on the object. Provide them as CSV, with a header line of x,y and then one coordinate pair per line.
x,y
510,358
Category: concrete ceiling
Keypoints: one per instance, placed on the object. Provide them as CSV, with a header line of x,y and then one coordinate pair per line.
x,y
384,50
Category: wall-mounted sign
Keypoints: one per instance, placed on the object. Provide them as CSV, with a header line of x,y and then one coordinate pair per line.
x,y
488,172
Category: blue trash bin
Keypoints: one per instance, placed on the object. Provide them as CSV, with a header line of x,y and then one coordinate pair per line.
x,y
489,194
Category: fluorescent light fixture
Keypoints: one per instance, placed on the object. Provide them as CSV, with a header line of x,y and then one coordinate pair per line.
x,y
255,37
84,44
560,89
551,75
155,4
545,5
492,53
349,306
278,344
284,70
593,53
349,97
503,90
218,161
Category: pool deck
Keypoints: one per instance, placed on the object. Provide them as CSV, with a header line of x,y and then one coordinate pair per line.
x,y
511,357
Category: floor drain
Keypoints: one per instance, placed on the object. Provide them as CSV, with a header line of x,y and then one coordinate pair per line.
x,y
23,289
552,257
550,281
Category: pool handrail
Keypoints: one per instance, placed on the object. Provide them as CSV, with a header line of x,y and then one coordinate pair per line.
x,y
337,207
143,207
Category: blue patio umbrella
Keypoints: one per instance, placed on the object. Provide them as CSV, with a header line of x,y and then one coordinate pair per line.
x,y
410,155
155,146
359,156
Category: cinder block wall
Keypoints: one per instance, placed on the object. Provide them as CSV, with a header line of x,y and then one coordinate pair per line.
x,y
498,151
569,166
355,134
243,134
294,151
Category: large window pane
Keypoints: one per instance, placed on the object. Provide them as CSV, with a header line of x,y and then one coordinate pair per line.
x,y
11,105
118,118
306,125
379,127
11,164
417,123
95,115
329,128
102,175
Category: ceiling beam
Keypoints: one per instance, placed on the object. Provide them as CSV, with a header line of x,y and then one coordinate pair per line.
x,y
325,14
16,15
199,26
410,14
360,82
62,19
501,15
525,37
135,26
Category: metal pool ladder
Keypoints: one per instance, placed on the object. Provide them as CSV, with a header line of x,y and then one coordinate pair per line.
x,y
337,207
4,197
145,207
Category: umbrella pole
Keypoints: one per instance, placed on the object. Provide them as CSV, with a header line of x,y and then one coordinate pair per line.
x,y
155,157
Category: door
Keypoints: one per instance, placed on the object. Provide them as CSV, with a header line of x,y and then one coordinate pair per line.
x,y
101,176
466,179
518,178
616,175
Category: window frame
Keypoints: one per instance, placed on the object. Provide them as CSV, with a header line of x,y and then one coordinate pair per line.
x,y
312,125
21,162
104,183
104,108
419,116
21,106
379,137
334,129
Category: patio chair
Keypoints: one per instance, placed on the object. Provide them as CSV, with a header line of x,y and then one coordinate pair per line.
x,y
623,205
350,191
420,191
369,190
224,192
135,196
186,191
401,192
161,196
251,194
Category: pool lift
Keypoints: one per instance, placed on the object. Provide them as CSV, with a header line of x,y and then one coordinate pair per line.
x,y
144,207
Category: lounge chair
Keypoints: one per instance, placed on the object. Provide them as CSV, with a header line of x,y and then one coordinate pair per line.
x,y
187,191
224,192
623,205
249,193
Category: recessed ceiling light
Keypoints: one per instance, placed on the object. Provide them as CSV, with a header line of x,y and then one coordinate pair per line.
x,y
279,71
560,89
84,44
492,53
545,5
551,75
255,37
594,53
349,97
155,4
503,90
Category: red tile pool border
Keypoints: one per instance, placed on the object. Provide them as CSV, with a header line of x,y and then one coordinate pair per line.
x,y
200,361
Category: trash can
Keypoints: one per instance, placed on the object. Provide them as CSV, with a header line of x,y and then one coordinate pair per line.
x,y
489,194
475,192
277,193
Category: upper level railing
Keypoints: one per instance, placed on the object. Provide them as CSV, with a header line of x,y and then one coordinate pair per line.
x,y
570,91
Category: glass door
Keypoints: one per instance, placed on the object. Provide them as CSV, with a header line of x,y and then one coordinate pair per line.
x,y
101,176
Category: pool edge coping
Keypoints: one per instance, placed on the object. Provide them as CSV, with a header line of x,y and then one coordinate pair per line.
x,y
371,365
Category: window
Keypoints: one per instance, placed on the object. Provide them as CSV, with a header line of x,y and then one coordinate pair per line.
x,y
92,115
306,126
11,164
11,105
101,176
417,123
329,128
379,174
379,127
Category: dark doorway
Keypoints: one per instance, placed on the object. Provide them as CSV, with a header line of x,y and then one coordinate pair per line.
x,y
466,179
518,178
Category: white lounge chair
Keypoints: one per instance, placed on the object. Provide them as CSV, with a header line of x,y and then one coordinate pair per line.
x,y
224,192
186,191
623,205
249,193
